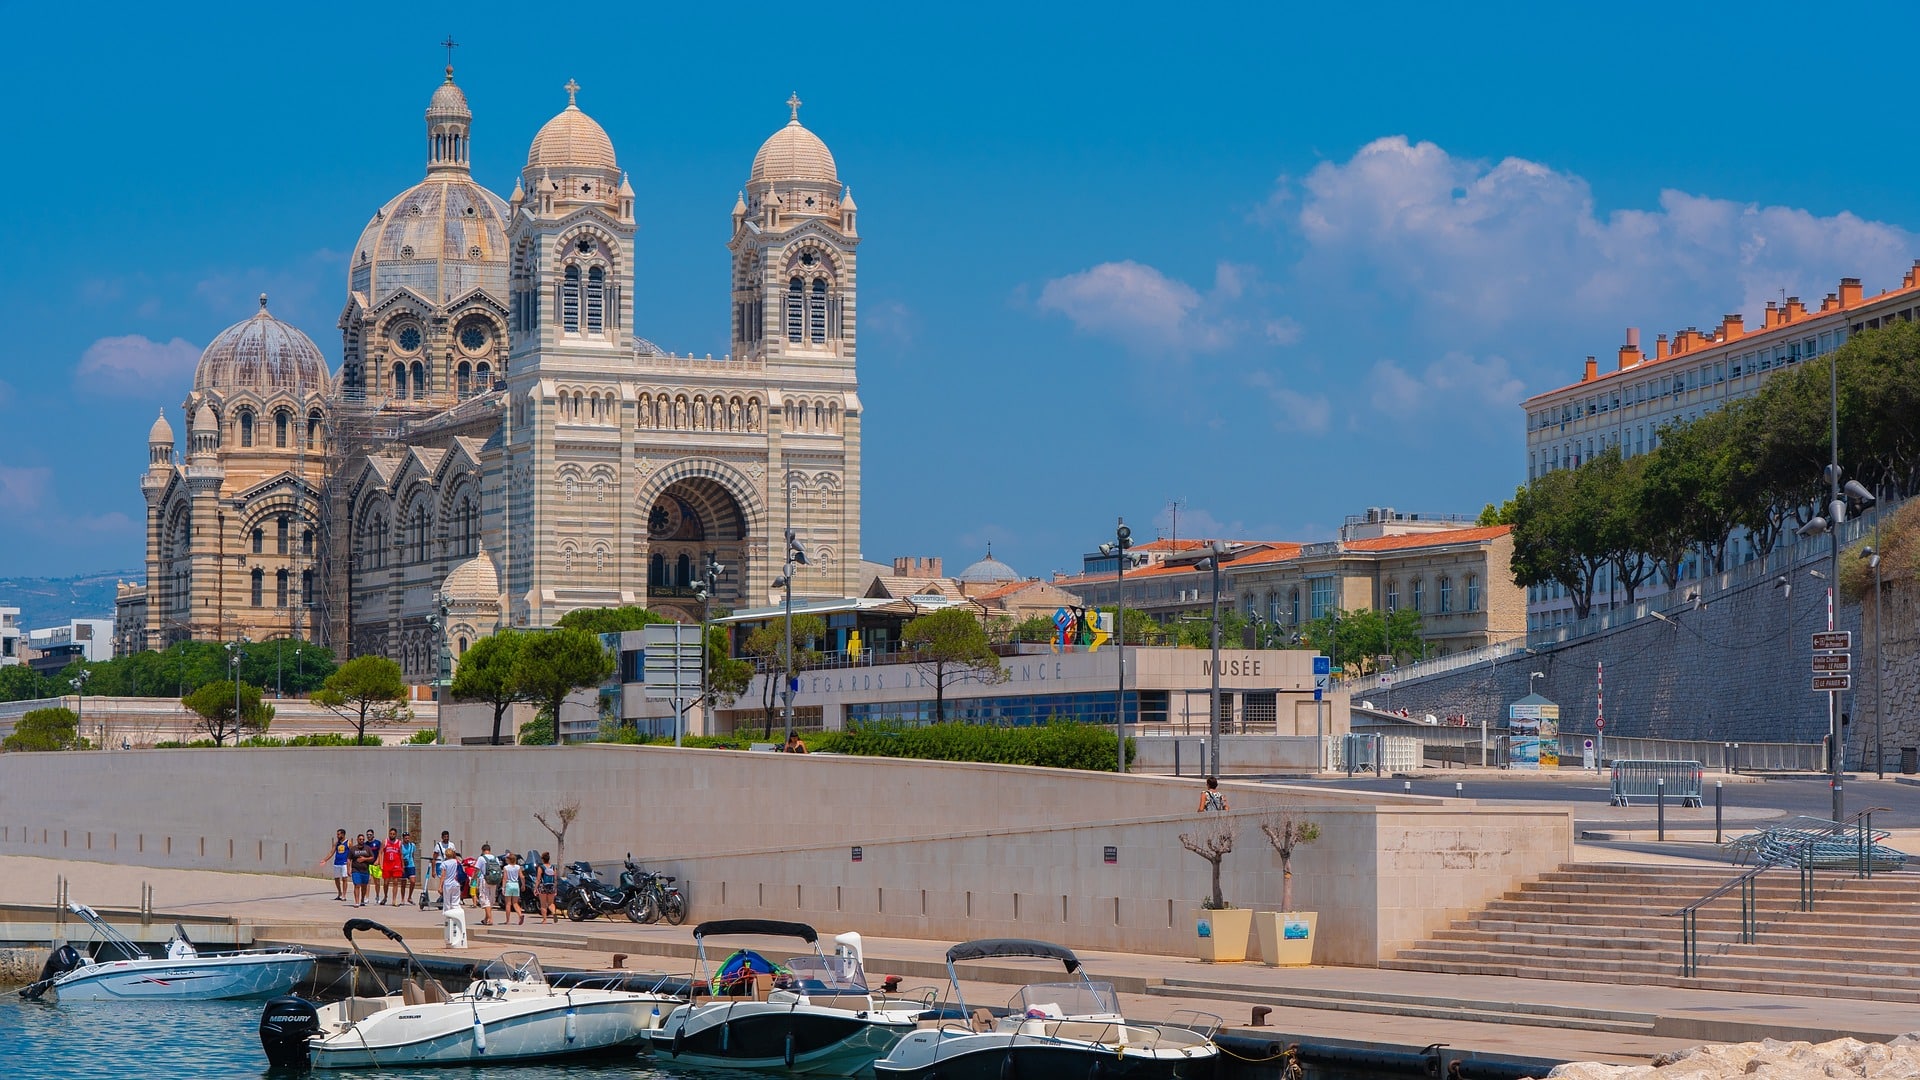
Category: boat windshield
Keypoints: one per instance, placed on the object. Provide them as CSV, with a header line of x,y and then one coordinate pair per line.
x,y
826,975
1055,1000
515,966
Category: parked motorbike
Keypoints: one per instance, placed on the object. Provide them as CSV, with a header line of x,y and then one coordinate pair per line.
x,y
656,896
584,896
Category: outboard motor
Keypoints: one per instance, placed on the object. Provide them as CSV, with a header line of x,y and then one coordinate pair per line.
x,y
286,1025
59,962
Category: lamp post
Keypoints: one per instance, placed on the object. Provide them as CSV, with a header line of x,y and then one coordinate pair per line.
x,y
1122,540
79,684
1218,554
299,672
796,558
704,591
1532,675
277,687
233,661
437,622
1872,555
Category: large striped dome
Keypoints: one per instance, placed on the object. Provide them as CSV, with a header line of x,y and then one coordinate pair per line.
x,y
263,354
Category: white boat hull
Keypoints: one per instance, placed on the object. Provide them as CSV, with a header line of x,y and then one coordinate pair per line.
x,y
203,978
520,1028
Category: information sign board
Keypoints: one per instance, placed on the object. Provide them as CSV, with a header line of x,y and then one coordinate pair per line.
x,y
1832,661
1833,682
1828,640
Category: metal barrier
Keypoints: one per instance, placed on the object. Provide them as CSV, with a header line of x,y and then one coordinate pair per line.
x,y
1379,754
1641,779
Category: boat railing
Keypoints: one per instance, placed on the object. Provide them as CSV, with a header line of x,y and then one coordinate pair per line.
x,y
1204,1024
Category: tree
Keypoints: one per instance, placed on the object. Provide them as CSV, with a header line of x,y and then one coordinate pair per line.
x,y
1503,513
609,620
555,663
18,682
1284,833
45,729
954,645
768,643
564,814
1212,845
1034,629
1359,638
214,704
366,690
727,676
486,673
1196,633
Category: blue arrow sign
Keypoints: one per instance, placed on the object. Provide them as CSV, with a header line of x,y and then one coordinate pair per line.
x,y
1322,665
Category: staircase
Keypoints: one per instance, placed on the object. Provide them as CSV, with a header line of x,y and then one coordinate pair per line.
x,y
1609,923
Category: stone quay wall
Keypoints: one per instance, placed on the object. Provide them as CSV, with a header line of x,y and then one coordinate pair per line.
x,y
945,850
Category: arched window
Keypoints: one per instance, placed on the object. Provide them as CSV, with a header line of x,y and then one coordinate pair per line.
x,y
1446,595
570,301
657,570
463,647
817,312
420,534
313,430
280,589
683,571
796,316
463,376
400,381
1293,606
280,534
419,380
259,580
1473,592
246,427
483,375
596,300
258,538
280,429
1273,606
306,541
306,587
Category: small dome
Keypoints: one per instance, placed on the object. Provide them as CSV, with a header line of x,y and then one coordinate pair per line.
x,y
203,418
161,431
794,153
264,354
988,571
448,101
571,140
475,579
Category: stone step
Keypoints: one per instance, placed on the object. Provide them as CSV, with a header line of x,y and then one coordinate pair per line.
x,y
1756,983
1895,921
1803,955
1790,973
1426,1008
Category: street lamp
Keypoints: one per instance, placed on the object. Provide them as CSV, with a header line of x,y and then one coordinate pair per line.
x,y
1532,675
233,661
1872,555
79,684
442,675
796,558
1122,540
704,591
1218,555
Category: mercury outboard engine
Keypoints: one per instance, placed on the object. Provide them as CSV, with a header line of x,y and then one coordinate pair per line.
x,y
286,1024
59,962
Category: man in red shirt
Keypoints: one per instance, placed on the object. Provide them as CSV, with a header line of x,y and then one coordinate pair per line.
x,y
392,867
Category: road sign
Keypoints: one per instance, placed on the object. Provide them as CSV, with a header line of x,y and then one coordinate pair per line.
x,y
671,661
1832,661
1599,723
1833,682
1322,665
1829,640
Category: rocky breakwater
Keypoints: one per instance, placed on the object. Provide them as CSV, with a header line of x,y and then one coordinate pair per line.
x,y
1768,1059
20,966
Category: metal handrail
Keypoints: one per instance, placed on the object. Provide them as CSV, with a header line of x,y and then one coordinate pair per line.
x,y
1802,858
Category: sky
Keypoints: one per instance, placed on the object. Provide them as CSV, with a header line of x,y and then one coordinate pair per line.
x,y
1269,264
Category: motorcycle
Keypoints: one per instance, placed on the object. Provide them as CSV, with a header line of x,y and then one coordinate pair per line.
x,y
584,896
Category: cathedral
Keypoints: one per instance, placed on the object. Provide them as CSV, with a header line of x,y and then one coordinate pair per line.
x,y
500,444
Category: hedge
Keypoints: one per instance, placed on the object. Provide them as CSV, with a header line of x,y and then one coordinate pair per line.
x,y
1057,744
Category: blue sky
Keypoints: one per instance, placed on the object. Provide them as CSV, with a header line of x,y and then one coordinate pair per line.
x,y
1282,263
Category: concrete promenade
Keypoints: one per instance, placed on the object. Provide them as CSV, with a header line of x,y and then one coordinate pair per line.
x,y
1482,1014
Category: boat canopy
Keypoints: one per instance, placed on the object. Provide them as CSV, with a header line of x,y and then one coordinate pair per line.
x,y
761,927
989,948
367,924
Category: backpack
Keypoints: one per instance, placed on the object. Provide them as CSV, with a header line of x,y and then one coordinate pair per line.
x,y
495,870
465,869
1215,801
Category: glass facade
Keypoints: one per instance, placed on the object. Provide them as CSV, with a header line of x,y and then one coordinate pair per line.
x,y
1092,707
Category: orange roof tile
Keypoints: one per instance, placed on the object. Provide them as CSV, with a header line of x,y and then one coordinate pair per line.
x,y
1441,538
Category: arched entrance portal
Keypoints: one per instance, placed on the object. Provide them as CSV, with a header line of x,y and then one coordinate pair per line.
x,y
689,520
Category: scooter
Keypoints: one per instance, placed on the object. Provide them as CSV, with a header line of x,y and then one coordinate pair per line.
x,y
584,896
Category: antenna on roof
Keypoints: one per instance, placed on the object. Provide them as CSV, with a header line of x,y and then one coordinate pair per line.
x,y
1173,508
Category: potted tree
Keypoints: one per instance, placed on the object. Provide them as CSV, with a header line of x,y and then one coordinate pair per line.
x,y
1286,936
1222,928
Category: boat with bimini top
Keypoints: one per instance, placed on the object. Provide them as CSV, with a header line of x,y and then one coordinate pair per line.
x,y
113,968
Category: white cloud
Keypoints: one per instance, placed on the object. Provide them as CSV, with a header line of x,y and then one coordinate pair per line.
x,y
134,365
1497,242
1139,306
23,487
1456,379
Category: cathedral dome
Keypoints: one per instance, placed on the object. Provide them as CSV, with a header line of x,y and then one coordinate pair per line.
x,y
571,140
161,431
448,101
263,354
473,580
794,153
988,571
442,238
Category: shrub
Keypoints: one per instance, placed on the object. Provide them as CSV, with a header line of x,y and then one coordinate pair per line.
x,y
537,731
423,737
1057,744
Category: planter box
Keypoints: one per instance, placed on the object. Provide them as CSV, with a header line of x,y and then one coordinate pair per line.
x,y
1286,937
1223,935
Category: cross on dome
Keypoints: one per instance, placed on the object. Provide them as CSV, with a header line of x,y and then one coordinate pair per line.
x,y
572,88
793,102
450,45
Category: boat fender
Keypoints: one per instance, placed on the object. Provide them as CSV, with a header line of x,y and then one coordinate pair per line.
x,y
1007,1071
479,1035
726,1030
789,1055
573,1025
679,1036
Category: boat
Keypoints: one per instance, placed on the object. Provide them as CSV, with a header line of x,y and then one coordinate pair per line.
x,y
817,1017
113,968
511,1013
1050,1029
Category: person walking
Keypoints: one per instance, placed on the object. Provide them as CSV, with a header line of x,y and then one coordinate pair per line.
x,y
449,876
490,871
439,856
342,864
546,884
363,859
1212,800
392,868
510,891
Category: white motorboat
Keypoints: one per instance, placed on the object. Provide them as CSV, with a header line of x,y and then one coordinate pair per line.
x,y
510,1014
818,1018
113,968
1051,1029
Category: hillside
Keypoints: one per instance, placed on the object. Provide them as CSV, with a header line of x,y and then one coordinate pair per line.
x,y
47,601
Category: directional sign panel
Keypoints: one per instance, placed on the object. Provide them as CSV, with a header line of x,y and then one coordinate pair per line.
x,y
1832,661
1322,665
671,663
1833,682
1828,640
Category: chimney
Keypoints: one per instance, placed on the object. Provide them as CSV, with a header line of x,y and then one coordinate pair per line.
x,y
1849,292
1733,327
1660,347
1593,370
1630,354
1795,310
1772,317
1829,303
1912,277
